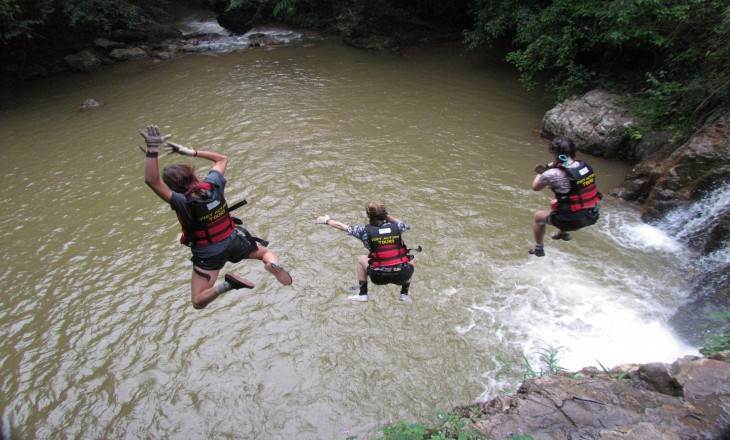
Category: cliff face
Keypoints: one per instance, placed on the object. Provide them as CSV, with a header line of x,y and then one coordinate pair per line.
x,y
689,399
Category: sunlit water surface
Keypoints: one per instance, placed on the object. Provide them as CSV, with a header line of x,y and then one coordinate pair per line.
x,y
99,337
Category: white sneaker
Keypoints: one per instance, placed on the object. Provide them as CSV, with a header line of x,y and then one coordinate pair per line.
x,y
359,298
406,298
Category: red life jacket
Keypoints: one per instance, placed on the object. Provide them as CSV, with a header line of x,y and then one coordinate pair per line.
x,y
211,222
583,192
386,246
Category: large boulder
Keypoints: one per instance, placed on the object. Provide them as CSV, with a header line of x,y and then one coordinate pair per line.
x,y
686,400
84,61
241,19
694,169
128,54
597,122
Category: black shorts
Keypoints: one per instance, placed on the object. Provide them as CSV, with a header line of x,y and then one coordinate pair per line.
x,y
400,276
574,220
240,247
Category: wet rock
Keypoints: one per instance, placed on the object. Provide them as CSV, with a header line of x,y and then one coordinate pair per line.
x,y
706,384
655,377
260,40
103,43
84,61
657,145
89,103
603,407
128,53
695,320
596,122
691,171
719,235
642,430
639,181
241,19
162,55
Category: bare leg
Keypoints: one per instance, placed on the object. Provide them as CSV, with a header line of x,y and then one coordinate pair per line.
x,y
362,268
203,288
538,226
271,261
362,279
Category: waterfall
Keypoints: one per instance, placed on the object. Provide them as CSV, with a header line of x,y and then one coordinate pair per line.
x,y
690,224
701,225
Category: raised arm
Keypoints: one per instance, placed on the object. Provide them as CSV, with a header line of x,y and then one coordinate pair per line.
x,y
154,139
220,161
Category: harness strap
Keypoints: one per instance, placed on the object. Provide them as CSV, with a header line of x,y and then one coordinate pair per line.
x,y
264,243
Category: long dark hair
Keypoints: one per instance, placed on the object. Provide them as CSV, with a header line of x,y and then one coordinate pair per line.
x,y
561,145
181,178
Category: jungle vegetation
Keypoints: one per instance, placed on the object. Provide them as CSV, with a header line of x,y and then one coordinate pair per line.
x,y
671,56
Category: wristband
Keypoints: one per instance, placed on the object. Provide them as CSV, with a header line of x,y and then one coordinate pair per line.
x,y
153,154
195,153
327,222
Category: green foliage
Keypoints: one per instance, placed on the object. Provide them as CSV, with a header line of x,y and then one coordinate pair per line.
x,y
404,431
717,343
101,15
550,363
673,55
616,376
448,426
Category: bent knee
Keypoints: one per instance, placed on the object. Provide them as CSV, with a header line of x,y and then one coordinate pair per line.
x,y
541,217
198,305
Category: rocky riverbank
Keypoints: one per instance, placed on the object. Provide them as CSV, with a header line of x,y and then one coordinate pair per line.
x,y
688,399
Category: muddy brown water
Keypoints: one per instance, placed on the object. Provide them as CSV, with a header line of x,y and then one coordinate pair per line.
x,y
99,339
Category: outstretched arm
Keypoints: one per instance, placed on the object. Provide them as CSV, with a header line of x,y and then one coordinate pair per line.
x,y
326,220
154,139
220,160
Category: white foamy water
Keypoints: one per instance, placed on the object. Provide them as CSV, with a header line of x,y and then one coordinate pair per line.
x,y
607,306
195,25
214,38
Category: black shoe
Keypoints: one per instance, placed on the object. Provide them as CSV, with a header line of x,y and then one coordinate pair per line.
x,y
536,251
238,282
560,235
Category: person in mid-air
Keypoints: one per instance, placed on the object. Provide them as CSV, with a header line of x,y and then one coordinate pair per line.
x,y
208,228
388,261
576,195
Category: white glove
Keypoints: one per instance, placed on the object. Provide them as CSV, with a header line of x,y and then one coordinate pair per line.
x,y
172,147
322,219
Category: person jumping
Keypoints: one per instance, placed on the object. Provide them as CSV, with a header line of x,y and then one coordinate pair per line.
x,y
208,228
388,261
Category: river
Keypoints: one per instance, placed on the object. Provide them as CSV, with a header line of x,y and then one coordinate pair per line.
x,y
99,339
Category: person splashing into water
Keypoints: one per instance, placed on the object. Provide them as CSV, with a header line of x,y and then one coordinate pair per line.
x,y
208,228
576,195
388,261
